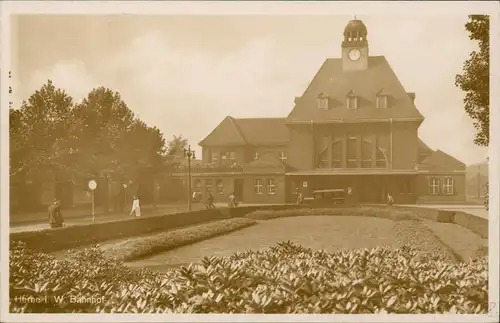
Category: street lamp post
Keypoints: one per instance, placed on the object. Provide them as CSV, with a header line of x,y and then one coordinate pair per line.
x,y
190,155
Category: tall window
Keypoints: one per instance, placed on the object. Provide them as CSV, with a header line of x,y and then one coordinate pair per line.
x,y
197,185
220,187
258,186
323,158
434,186
381,153
352,101
232,157
352,152
448,186
208,185
406,187
322,101
337,154
366,152
223,157
256,156
215,157
271,186
283,157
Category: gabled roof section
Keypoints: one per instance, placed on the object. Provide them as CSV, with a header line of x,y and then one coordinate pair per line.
x,y
366,84
423,148
266,161
441,160
227,133
248,131
264,131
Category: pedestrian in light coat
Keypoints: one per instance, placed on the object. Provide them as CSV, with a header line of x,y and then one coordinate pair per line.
x,y
136,208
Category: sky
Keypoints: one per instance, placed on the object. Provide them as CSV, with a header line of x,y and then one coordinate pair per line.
x,y
184,74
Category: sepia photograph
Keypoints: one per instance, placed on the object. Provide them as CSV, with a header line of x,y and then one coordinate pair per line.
x,y
290,161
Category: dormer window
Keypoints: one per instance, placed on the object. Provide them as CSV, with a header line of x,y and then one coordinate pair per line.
x,y
382,100
323,101
352,101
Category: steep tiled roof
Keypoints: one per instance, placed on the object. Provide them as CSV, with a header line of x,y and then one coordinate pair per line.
x,y
366,84
423,148
262,131
440,159
227,133
251,131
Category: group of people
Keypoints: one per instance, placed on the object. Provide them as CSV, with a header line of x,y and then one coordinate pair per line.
x,y
209,201
56,219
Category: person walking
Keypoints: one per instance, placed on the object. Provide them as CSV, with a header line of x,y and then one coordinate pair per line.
x,y
210,201
232,201
55,217
136,208
390,199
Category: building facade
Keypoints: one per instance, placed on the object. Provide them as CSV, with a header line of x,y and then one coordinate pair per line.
x,y
354,127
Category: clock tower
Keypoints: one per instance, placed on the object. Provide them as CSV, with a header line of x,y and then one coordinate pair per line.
x,y
355,47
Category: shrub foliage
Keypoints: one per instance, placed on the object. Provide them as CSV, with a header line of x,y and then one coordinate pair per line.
x,y
285,278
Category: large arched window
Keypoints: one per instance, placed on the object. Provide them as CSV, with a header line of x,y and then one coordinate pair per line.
x,y
337,154
381,158
366,154
323,158
352,152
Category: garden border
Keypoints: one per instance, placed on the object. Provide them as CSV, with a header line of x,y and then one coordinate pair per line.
x,y
51,240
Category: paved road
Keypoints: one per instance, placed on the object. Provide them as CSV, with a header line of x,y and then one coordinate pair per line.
x,y
100,218
477,210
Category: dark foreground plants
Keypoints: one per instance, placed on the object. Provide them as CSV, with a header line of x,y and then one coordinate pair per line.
x,y
285,278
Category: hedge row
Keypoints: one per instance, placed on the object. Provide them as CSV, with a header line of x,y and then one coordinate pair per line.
x,y
387,213
286,278
50,240
136,248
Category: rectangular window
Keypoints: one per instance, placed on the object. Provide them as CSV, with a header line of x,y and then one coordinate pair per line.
x,y
232,156
256,156
366,154
337,154
258,186
197,185
382,101
406,187
323,103
352,103
283,157
220,187
352,152
223,157
271,186
208,185
448,186
215,158
434,186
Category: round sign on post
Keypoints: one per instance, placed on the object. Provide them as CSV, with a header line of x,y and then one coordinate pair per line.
x,y
92,185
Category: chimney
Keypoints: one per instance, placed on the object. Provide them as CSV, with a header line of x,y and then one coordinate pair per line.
x,y
411,95
296,100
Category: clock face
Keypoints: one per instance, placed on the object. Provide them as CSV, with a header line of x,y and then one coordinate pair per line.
x,y
354,54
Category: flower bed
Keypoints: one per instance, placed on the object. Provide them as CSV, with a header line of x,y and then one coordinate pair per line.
x,y
140,247
286,278
386,213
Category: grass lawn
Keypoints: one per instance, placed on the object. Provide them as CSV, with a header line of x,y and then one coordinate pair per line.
x,y
330,233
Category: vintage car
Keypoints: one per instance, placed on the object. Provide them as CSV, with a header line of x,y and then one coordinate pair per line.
x,y
326,197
